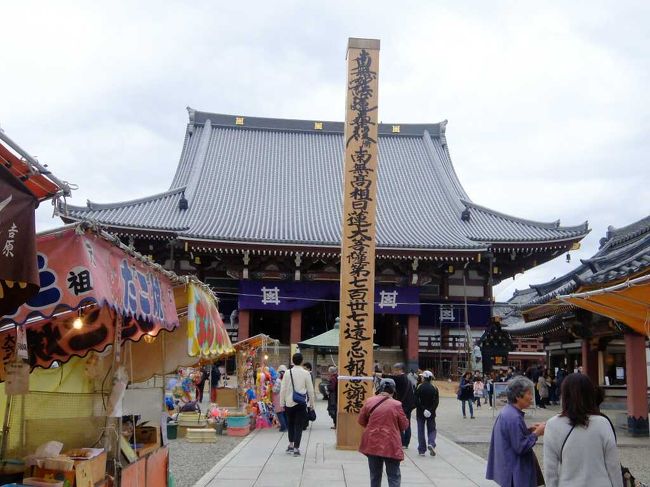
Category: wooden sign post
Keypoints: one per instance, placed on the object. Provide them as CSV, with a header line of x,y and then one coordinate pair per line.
x,y
358,240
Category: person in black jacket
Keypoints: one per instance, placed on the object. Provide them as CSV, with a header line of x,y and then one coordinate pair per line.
x,y
426,403
404,393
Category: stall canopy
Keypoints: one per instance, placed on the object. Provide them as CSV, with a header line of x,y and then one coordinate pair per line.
x,y
23,184
327,342
86,274
628,302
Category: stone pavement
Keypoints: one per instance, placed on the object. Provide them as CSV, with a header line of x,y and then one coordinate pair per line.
x,y
260,461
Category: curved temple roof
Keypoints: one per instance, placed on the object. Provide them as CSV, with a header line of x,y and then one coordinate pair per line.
x,y
624,253
275,181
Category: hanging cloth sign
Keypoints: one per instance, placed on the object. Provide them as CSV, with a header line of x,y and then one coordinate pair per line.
x,y
79,269
289,296
17,380
21,343
206,333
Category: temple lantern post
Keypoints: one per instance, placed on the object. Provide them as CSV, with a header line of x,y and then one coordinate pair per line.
x,y
358,239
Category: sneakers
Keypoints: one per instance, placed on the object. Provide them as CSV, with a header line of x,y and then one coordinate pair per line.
x,y
432,452
421,454
296,452
289,450
472,417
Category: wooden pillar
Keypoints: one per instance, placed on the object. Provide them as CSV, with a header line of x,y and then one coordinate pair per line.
x,y
357,303
244,330
590,361
413,343
295,332
637,385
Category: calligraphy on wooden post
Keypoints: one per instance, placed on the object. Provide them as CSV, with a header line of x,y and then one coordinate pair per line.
x,y
358,237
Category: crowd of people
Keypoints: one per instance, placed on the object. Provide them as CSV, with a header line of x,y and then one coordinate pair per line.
x,y
579,446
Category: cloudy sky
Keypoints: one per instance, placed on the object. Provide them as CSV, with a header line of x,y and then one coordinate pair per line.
x,y
548,103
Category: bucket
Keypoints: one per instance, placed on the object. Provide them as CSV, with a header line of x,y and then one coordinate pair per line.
x,y
172,431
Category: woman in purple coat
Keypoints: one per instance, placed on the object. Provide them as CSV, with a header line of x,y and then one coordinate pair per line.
x,y
511,460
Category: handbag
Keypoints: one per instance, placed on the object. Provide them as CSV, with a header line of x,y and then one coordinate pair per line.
x,y
297,397
311,414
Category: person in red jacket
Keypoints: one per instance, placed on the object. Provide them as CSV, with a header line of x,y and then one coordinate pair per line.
x,y
384,421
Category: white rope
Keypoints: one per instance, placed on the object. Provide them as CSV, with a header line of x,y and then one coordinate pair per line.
x,y
354,378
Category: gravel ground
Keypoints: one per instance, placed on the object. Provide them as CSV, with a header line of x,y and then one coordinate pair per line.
x,y
634,458
190,461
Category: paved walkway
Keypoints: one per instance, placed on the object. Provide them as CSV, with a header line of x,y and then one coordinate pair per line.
x,y
260,461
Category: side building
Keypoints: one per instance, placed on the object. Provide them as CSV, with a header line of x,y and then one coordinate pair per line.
x,y
596,319
254,210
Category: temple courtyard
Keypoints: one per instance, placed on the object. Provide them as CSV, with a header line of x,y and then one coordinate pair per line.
x,y
259,459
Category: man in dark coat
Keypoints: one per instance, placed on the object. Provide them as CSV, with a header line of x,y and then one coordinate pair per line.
x,y
404,393
426,403
332,398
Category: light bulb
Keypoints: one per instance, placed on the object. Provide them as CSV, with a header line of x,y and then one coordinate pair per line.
x,y
78,323
266,357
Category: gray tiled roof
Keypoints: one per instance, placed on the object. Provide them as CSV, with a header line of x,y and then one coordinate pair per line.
x,y
624,252
280,181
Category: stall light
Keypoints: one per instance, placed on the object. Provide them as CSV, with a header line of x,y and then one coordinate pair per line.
x,y
266,357
78,323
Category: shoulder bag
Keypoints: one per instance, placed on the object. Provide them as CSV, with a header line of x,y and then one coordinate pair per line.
x,y
297,397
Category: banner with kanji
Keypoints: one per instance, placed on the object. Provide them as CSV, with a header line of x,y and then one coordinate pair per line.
x,y
289,296
18,273
206,333
83,275
77,269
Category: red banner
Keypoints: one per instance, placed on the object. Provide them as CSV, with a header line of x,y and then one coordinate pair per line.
x,y
86,272
80,269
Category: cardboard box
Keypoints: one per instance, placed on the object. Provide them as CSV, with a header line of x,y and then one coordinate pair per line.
x,y
68,478
147,435
97,466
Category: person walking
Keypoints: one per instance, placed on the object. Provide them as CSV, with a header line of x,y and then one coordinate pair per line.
x,y
427,398
478,387
215,378
511,460
404,393
277,402
466,393
489,386
384,420
296,395
580,444
543,389
332,396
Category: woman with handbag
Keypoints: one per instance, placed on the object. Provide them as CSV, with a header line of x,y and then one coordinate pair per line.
x,y
296,396
384,421
580,444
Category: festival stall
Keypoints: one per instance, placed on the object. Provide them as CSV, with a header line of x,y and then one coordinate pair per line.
x,y
95,295
255,378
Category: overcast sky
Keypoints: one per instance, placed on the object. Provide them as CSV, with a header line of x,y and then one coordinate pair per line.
x,y
548,104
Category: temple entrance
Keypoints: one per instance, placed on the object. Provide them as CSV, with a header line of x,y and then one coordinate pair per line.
x,y
390,330
318,319
275,324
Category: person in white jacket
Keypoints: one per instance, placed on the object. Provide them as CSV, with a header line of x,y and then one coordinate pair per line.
x,y
579,443
297,380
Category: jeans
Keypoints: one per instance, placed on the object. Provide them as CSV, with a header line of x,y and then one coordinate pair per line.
x,y
471,407
431,433
406,435
376,465
282,419
296,418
